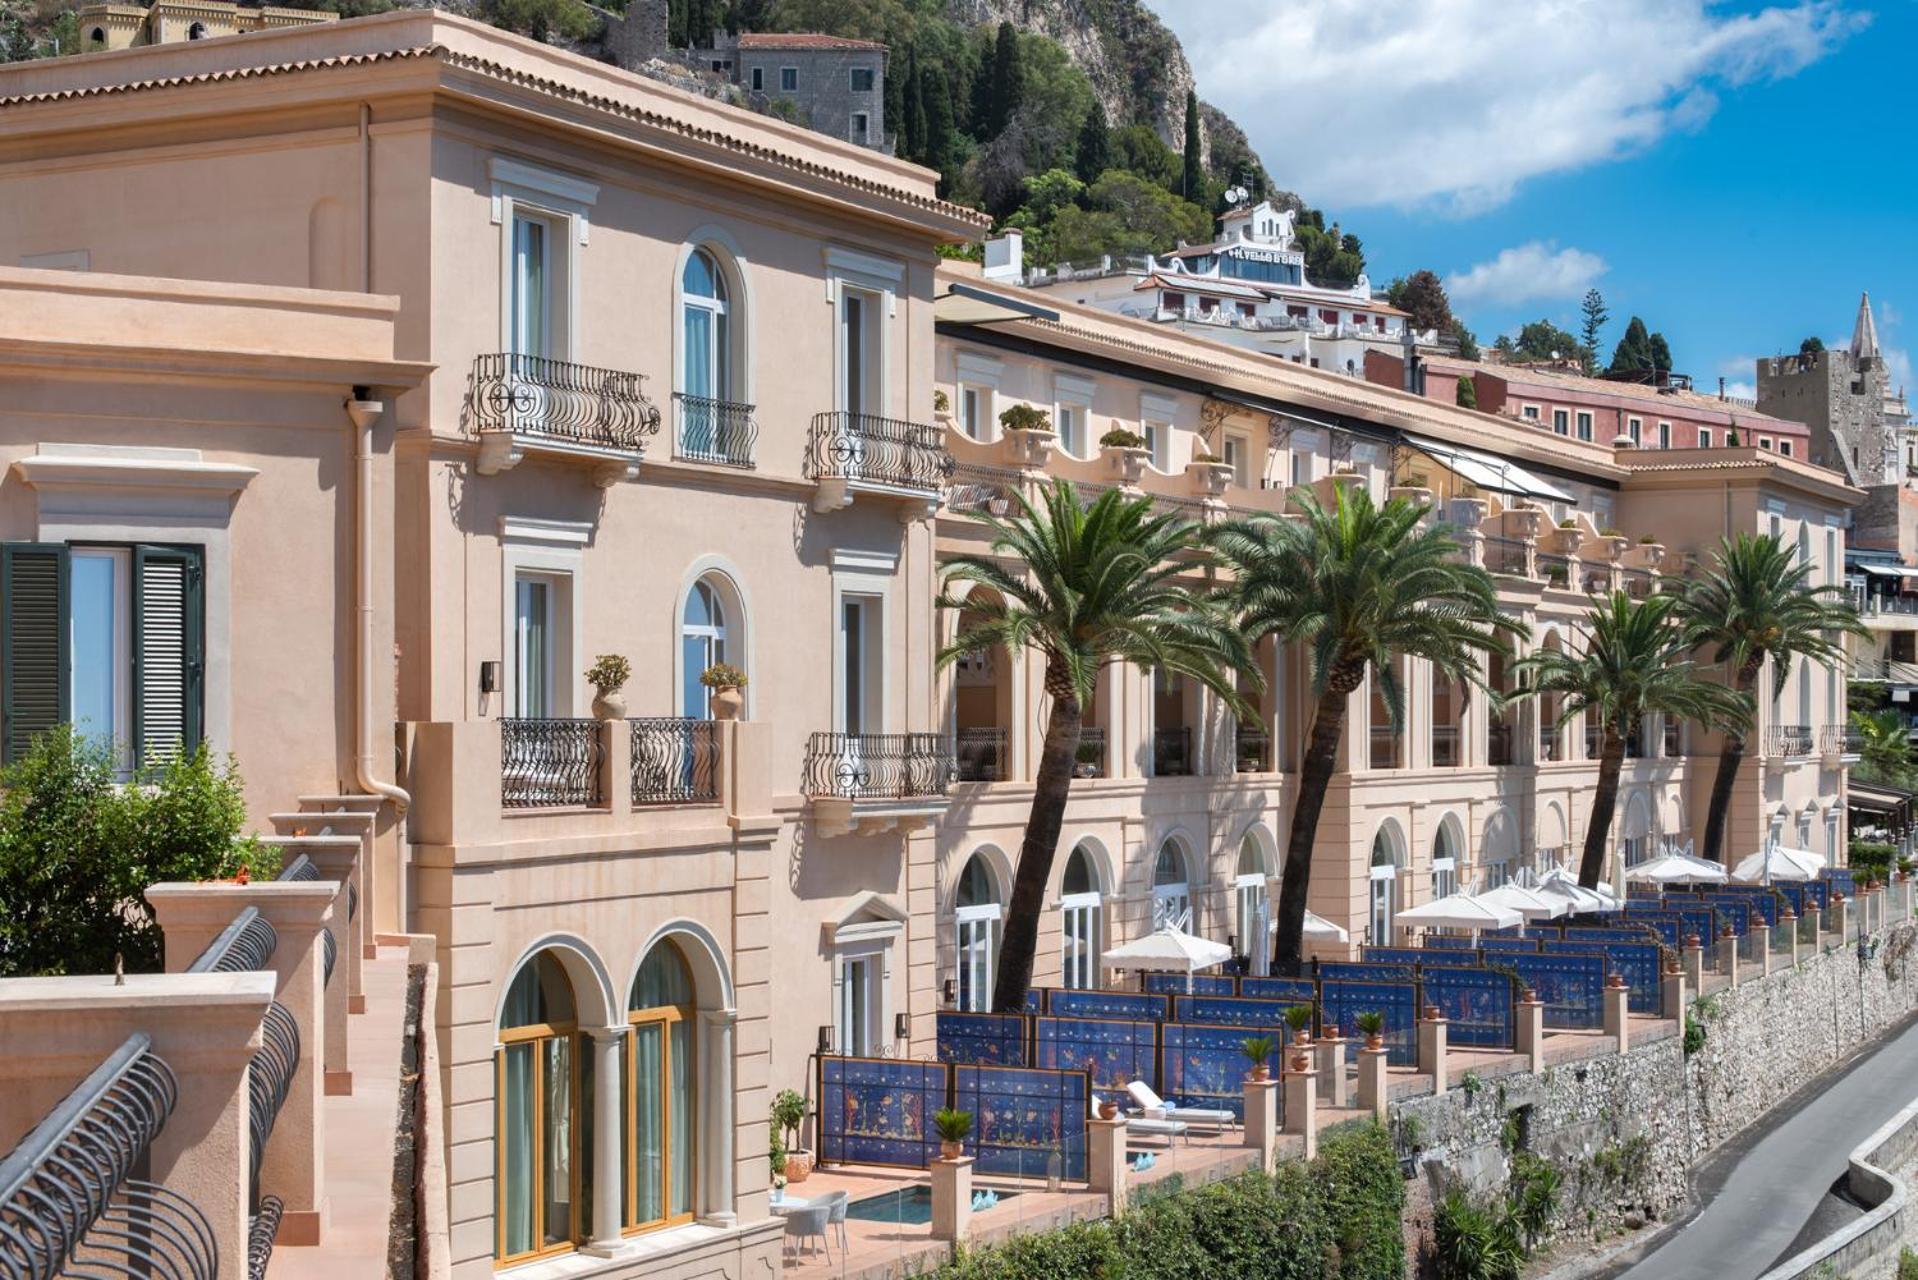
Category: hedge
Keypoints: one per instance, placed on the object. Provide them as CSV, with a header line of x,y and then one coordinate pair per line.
x,y
1337,1217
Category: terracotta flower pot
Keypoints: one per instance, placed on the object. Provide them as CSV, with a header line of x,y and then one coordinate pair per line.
x,y
1375,1041
1526,995
1259,1074
728,702
948,1150
1299,1062
798,1165
1108,1110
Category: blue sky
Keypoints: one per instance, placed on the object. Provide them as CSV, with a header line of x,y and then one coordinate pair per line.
x,y
1733,173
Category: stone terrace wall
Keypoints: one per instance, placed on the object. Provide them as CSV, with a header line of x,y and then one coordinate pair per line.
x,y
1624,1132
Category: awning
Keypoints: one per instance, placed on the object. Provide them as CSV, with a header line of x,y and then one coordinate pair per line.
x,y
1874,799
1489,472
969,304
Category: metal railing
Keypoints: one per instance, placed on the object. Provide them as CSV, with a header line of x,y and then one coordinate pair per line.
x,y
242,947
1254,753
981,754
1670,745
883,451
1505,555
1498,744
975,488
716,431
68,1190
675,760
269,1078
1091,760
1788,740
547,764
572,403
1385,747
1445,746
877,766
302,868
1172,752
1841,739
260,1234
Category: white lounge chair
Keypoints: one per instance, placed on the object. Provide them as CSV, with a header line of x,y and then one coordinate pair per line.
x,y
1154,1107
1144,1125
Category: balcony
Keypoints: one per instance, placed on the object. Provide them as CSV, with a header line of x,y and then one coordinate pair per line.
x,y
871,783
1790,741
1506,556
675,760
1254,754
1550,743
976,489
848,454
1385,747
1639,584
981,755
1672,748
550,764
519,405
1498,744
1555,569
1091,759
1445,746
1841,740
1172,753
717,432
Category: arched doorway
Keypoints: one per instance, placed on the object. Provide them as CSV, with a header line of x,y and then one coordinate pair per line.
x,y
1171,888
1252,905
1446,849
708,635
1079,910
536,1089
661,1089
978,909
1635,841
1384,878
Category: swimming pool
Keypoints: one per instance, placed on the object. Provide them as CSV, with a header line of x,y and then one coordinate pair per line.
x,y
908,1206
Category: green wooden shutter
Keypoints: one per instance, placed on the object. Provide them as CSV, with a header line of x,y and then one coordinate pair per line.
x,y
169,659
34,588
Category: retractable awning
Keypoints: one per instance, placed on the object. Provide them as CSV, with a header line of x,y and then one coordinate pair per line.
x,y
1487,471
1875,799
969,304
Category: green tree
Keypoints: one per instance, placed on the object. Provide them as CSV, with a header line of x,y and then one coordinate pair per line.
x,y
1635,661
1884,748
1004,84
542,19
1467,393
1755,603
1593,316
1661,352
1331,257
1358,587
1192,177
1137,149
1634,350
1811,346
1422,297
912,110
1082,588
936,94
1467,341
1543,340
1127,215
1093,155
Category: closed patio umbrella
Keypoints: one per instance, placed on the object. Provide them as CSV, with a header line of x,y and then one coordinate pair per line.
x,y
1459,911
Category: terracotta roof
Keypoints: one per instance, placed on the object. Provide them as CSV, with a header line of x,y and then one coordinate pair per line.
x,y
802,40
1575,383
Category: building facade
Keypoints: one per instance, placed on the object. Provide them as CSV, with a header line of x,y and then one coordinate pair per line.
x,y
1859,421
834,84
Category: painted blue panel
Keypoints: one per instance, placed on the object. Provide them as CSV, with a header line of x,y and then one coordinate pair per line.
x,y
1124,1005
1225,1011
1480,1006
1841,879
1340,1004
1820,892
1508,944
879,1111
998,1038
1571,986
1115,1052
1202,984
1451,941
1602,933
1035,999
1025,1121
1203,1066
1742,909
1636,962
1348,971
1421,956
1278,988
1764,902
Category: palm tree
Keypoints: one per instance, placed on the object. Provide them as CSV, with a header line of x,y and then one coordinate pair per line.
x,y
1358,586
1884,748
1083,588
1757,602
1635,662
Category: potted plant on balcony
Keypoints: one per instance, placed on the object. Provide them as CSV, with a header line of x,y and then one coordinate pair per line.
x,y
953,1127
1258,1052
788,1113
1127,451
941,408
1029,430
1211,472
725,680
1299,1018
1088,759
1371,1025
608,675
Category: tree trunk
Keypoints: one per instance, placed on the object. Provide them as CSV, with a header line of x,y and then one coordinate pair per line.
x,y
1611,759
1315,775
1020,941
1726,779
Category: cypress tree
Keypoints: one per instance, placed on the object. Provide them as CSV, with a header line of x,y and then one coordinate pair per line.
x,y
1661,352
1006,82
938,100
895,87
1094,154
1194,177
912,110
1634,350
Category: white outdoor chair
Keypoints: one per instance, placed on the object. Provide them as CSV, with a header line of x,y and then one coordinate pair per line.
x,y
809,1223
836,1204
1154,1107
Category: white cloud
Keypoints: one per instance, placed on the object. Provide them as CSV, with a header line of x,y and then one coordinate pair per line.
x,y
1527,273
1356,102
1740,390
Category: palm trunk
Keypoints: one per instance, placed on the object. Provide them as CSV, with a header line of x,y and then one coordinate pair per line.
x,y
1726,779
1611,760
1020,941
1315,775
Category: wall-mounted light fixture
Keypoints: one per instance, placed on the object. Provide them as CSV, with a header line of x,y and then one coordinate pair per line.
x,y
901,1025
825,1039
949,992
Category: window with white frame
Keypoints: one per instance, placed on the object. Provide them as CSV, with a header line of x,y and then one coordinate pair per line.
x,y
1529,412
1633,428
1072,413
1384,877
1079,918
1704,437
1238,456
858,982
863,288
1561,421
542,602
862,582
1171,889
1584,425
544,219
976,916
975,411
1664,435
1252,901
1156,415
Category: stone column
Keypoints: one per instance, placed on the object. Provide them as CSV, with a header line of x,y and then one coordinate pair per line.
x,y
1617,1015
718,1103
1695,961
1302,1107
1335,1082
1531,1031
1432,1055
952,1198
1764,944
1372,1087
1789,918
609,1142
1262,1120
1672,995
1105,1158
1728,955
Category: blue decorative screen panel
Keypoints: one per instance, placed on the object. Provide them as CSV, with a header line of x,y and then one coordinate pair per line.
x,y
1695,915
1572,987
1035,999
1763,901
1740,911
1202,984
1599,933
1636,962
1201,1066
1108,1004
1421,956
1480,1006
1669,928
997,1038
1115,1052
1025,1121
1508,944
1841,879
1451,942
1348,971
1340,1004
1819,891
1223,1011
879,1111
1291,989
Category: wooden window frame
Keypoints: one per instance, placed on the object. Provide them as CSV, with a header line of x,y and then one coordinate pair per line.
x,y
664,1017
535,1033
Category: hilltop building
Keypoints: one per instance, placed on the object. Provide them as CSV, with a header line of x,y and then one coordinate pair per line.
x,y
126,26
1860,423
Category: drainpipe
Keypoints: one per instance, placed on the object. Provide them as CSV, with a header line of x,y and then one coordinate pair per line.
x,y
365,412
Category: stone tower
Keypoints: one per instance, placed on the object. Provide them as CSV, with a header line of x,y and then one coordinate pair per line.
x,y
1858,421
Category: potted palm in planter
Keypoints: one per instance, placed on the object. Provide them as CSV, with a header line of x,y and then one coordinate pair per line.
x,y
1299,1018
608,675
1088,760
1371,1025
725,680
788,1113
1258,1052
941,408
953,1128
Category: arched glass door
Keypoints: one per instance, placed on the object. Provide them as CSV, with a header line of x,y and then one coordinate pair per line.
x,y
661,1086
536,1092
978,914
1385,889
1079,923
1171,891
1253,908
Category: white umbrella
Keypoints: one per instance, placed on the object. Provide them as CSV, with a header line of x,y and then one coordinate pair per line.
x,y
1459,911
1778,863
1529,903
1168,950
1319,929
1560,883
1676,868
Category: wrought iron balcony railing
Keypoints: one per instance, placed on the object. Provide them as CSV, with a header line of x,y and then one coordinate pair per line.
x,y
1498,743
1091,760
1385,747
1254,749
1841,740
1789,740
715,431
675,760
1445,746
1172,752
862,448
550,764
877,766
573,404
981,754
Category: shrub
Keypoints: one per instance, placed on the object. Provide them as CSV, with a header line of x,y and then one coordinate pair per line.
x,y
1084,1249
1120,438
1872,859
1025,417
1370,1023
1358,1177
1471,1242
940,403
788,1113
1694,1034
952,1126
609,673
1532,1196
1907,1265
723,675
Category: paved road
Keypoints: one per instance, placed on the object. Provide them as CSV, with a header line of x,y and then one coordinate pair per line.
x,y
1754,1209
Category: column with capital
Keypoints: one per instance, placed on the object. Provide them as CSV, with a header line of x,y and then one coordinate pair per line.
x,y
717,1102
609,1197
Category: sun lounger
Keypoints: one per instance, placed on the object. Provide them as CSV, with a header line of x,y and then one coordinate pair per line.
x,y
1152,1106
1151,1125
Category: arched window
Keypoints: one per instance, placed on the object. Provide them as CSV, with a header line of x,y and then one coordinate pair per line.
x,y
709,428
537,1090
197,31
1445,861
1253,907
1636,839
1171,890
705,638
1385,887
661,1091
98,35
978,911
1079,921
